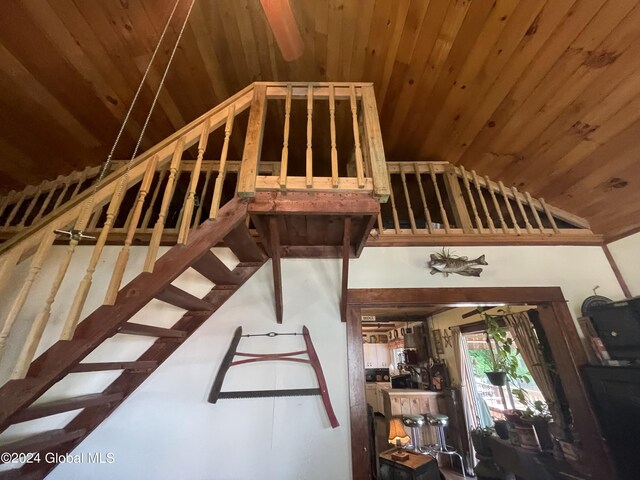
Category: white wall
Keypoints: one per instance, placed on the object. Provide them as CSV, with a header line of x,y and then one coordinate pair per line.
x,y
167,430
626,254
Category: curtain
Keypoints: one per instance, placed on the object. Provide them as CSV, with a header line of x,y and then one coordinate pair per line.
x,y
474,414
524,335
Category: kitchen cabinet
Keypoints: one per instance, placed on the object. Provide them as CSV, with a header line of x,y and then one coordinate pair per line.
x,y
373,395
376,355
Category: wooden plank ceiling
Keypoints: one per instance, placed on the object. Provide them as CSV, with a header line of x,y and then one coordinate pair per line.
x,y
541,94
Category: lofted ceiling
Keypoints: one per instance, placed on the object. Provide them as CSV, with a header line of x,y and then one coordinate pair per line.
x,y
544,95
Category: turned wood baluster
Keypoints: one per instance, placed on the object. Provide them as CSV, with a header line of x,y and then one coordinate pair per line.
x,y
67,183
309,179
158,228
427,214
516,196
32,204
284,162
476,182
549,216
193,185
412,219
7,263
203,192
503,190
47,200
21,197
496,204
34,269
474,209
332,129
80,298
527,195
394,212
6,201
123,256
222,168
356,136
443,212
81,179
156,190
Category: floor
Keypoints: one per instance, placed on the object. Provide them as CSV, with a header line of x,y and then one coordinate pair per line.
x,y
383,444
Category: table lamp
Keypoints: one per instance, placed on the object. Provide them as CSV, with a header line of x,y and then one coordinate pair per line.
x,y
399,438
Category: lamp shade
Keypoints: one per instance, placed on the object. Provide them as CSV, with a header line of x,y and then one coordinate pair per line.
x,y
397,435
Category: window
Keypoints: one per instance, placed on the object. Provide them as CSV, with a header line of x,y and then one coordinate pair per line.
x,y
498,399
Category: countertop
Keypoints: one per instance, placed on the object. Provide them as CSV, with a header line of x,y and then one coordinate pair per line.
x,y
411,391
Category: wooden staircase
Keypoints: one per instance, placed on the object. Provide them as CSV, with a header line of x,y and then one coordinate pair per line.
x,y
65,356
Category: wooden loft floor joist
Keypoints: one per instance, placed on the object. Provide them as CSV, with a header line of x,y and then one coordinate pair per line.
x,y
312,225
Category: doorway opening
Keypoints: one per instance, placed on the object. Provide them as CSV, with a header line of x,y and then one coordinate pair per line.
x,y
553,320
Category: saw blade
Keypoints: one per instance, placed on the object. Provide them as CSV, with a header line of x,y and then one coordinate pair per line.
x,y
296,392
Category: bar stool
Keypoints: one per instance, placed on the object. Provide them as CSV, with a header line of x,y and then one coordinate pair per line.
x,y
415,422
439,422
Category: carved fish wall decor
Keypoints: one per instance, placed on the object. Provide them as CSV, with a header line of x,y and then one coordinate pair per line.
x,y
444,262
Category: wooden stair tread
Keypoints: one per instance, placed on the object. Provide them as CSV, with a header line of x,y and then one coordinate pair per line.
x,y
65,405
181,299
242,244
100,366
42,441
212,268
149,330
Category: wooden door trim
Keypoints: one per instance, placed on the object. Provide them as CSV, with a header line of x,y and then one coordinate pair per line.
x,y
556,319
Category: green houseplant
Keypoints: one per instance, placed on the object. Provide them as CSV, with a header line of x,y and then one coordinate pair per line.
x,y
504,358
537,415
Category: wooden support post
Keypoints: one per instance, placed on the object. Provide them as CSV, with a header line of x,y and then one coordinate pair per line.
x,y
412,220
472,201
332,128
9,261
158,228
63,193
381,186
275,260
183,232
516,196
456,200
346,250
309,153
222,169
496,205
423,198
356,136
476,182
253,143
284,162
123,256
503,190
443,212
535,212
549,216
14,210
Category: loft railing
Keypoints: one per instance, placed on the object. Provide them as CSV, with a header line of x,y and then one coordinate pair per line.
x,y
167,194
437,201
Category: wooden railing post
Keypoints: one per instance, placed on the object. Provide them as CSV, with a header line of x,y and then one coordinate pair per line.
x,y
309,151
284,162
381,187
222,169
253,142
456,200
356,136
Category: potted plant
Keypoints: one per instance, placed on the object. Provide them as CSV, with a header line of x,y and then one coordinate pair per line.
x,y
502,429
504,359
480,438
537,415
